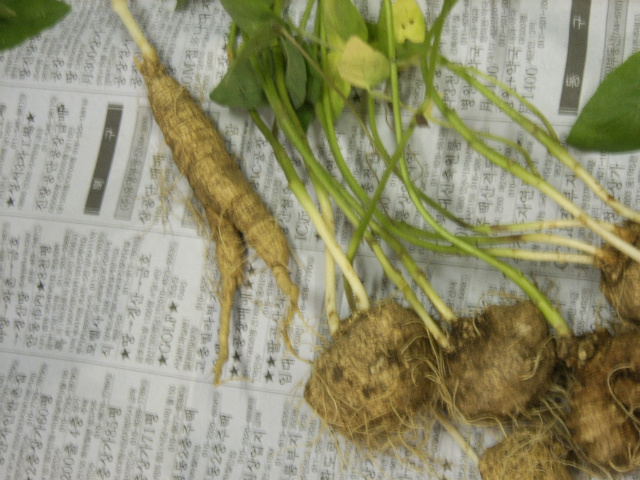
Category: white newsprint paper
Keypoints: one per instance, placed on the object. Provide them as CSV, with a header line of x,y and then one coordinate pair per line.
x,y
109,315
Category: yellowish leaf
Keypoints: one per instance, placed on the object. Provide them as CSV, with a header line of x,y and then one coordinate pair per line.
x,y
361,65
408,22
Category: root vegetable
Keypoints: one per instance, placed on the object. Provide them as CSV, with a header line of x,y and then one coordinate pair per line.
x,y
200,153
602,416
527,455
620,279
230,259
376,377
502,362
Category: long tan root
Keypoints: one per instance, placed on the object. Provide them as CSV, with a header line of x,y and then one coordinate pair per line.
x,y
201,155
229,257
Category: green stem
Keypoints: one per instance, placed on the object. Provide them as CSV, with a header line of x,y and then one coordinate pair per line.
x,y
299,190
551,142
299,141
545,306
537,182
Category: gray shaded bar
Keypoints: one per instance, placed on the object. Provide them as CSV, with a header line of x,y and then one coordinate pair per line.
x,y
576,56
104,160
135,164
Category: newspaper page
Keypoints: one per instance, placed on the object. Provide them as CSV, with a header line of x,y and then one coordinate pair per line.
x,y
109,312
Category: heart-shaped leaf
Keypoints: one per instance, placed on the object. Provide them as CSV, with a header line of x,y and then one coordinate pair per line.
x,y
610,121
240,87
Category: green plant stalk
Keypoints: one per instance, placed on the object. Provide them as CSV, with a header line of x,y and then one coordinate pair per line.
x,y
386,228
330,304
289,113
552,143
371,208
529,178
419,239
307,13
297,137
324,115
298,188
418,276
539,299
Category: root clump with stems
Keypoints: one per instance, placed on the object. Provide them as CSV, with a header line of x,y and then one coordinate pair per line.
x,y
376,377
604,398
620,276
502,362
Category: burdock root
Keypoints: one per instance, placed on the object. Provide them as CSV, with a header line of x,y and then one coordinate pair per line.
x,y
502,363
376,377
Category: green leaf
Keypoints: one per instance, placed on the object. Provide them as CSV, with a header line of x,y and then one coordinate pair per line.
x,y
610,121
295,74
251,15
181,4
5,12
306,114
240,87
31,17
342,20
315,81
363,66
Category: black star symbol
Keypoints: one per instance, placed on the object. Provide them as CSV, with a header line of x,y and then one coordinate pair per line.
x,y
173,307
268,377
234,372
251,270
10,202
40,286
236,357
162,359
125,353
30,117
271,362
248,283
446,466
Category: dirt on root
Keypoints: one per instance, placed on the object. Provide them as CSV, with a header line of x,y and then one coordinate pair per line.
x,y
605,398
525,455
620,275
376,377
502,363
